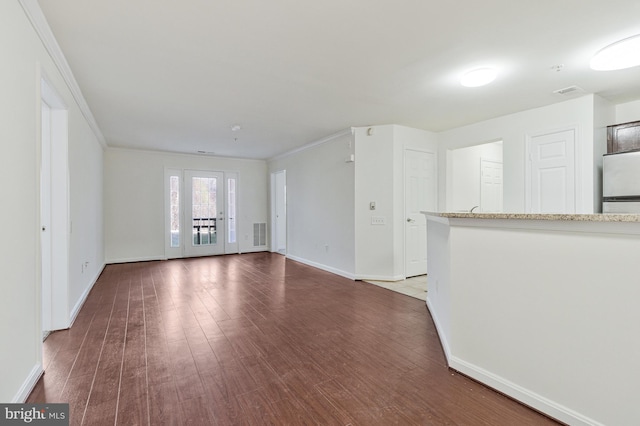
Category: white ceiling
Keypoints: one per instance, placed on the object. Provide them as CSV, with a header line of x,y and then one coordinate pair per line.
x,y
176,75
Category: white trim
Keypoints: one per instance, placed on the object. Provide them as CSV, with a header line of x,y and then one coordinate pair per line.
x,y
392,278
185,154
28,385
273,210
321,266
259,249
527,397
441,334
41,26
326,139
135,259
76,309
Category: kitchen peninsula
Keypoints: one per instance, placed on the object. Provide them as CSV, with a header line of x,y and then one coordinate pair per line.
x,y
544,308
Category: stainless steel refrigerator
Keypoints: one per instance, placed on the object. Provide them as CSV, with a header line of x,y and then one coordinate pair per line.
x,y
621,182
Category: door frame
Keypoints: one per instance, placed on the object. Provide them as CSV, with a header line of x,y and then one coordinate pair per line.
x,y
274,208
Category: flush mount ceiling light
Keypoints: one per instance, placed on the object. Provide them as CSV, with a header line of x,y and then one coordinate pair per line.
x,y
236,127
619,55
478,77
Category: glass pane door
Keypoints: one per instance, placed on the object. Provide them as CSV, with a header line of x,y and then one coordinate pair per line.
x,y
205,213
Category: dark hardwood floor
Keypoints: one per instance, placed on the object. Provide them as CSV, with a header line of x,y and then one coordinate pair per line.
x,y
257,339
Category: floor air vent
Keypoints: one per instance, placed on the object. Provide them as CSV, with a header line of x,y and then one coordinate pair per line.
x,y
259,234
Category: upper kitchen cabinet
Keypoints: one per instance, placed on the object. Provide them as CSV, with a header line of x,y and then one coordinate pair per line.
x,y
623,137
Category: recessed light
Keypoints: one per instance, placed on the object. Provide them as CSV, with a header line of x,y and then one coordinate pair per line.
x,y
619,55
478,77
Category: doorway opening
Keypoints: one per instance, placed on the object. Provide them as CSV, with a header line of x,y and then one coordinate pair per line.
x,y
475,178
279,212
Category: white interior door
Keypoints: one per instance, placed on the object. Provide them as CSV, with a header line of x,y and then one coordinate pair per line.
x,y
552,173
204,213
490,186
45,218
420,195
54,195
280,201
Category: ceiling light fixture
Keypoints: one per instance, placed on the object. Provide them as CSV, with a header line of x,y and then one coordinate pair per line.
x,y
236,127
478,77
619,55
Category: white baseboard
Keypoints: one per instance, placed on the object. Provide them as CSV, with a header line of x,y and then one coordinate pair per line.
x,y
441,334
135,259
521,394
527,397
321,266
28,385
76,309
255,250
392,278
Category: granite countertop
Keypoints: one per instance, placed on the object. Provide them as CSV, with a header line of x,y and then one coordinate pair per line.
x,y
599,217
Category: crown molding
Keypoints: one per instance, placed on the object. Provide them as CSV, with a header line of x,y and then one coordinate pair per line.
x,y
326,139
41,26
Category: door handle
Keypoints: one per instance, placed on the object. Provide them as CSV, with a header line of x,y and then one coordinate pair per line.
x,y
410,220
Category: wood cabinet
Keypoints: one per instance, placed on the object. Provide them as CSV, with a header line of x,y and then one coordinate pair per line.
x,y
623,137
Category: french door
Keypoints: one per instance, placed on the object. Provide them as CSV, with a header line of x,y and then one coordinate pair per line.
x,y
201,215
204,213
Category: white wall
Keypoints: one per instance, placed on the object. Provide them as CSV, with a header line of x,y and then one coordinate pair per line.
x,y
328,215
320,204
513,130
375,251
464,174
24,59
603,115
134,199
627,112
380,178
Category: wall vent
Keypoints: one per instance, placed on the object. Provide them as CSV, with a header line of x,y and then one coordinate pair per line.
x,y
571,90
259,234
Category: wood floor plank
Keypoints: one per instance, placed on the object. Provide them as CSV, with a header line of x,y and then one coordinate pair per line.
x,y
257,339
103,399
133,402
164,406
